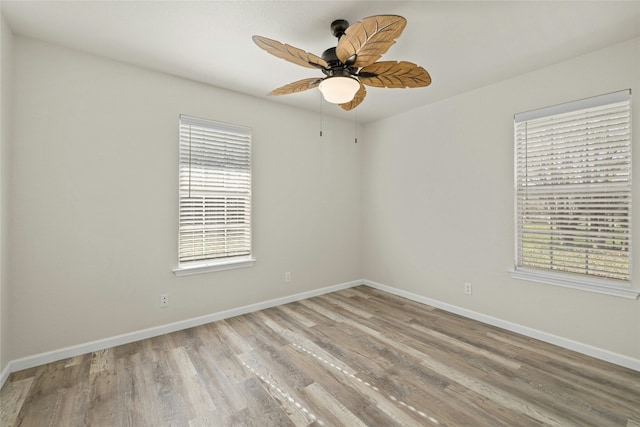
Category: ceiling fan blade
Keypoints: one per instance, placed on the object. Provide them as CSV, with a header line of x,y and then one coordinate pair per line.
x,y
295,87
369,39
394,74
289,53
357,99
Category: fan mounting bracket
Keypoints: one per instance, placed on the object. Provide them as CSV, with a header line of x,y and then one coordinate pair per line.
x,y
338,27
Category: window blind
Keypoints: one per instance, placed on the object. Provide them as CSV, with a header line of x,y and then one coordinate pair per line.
x,y
214,191
573,188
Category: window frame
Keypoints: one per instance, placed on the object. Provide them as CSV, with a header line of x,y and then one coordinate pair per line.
x,y
588,282
217,140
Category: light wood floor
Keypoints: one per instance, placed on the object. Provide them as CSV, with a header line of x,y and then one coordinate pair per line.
x,y
357,357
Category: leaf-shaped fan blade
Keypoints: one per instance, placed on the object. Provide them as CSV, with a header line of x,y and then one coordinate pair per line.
x,y
357,99
394,74
296,87
289,53
370,38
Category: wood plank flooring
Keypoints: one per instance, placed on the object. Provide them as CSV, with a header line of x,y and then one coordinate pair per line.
x,y
357,357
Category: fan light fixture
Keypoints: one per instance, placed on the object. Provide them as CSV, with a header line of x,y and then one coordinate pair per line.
x,y
339,89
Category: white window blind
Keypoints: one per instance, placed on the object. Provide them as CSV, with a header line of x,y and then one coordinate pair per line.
x,y
573,188
214,192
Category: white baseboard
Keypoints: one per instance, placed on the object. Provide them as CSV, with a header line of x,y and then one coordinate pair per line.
x,y
77,350
5,374
598,353
55,355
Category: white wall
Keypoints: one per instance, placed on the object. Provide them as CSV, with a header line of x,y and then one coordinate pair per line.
x,y
6,75
94,200
93,137
438,202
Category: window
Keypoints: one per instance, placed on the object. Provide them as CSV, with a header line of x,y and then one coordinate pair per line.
x,y
573,194
214,196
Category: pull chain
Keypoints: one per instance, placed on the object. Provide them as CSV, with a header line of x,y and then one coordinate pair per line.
x,y
356,122
321,113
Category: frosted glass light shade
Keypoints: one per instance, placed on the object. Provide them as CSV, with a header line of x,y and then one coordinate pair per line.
x,y
339,89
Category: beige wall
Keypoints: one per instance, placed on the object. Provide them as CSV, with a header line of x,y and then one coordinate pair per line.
x,y
438,202
95,191
6,75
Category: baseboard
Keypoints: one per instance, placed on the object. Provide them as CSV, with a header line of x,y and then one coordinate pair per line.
x,y
77,350
53,356
598,353
5,374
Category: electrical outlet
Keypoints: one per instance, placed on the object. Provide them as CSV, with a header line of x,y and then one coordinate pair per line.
x,y
287,276
164,300
467,288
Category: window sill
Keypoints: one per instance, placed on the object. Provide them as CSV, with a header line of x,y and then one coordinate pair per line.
x,y
569,281
218,266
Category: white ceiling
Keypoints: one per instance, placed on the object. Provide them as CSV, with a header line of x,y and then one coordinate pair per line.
x,y
463,45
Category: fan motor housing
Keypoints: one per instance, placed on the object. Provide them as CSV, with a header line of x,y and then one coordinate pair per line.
x,y
330,56
335,67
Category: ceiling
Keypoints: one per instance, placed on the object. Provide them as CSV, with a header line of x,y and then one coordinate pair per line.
x,y
463,44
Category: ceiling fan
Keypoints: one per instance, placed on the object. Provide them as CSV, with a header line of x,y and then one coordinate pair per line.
x,y
352,63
